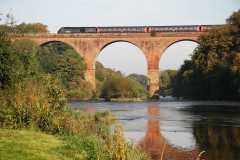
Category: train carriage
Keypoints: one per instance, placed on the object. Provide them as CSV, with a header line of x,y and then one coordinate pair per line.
x,y
77,30
137,29
120,29
187,28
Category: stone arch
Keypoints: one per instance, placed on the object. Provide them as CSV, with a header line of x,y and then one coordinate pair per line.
x,y
42,43
104,45
176,41
167,57
173,42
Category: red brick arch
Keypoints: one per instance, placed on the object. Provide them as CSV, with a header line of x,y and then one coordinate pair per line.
x,y
90,45
106,44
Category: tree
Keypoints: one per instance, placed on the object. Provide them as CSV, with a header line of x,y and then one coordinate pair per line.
x,y
142,79
65,64
31,28
10,25
26,51
165,81
8,63
70,65
214,70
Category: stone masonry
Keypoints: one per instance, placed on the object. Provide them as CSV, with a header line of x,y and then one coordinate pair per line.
x,y
90,45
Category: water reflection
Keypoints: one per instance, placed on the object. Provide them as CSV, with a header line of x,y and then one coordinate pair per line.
x,y
156,145
218,131
209,127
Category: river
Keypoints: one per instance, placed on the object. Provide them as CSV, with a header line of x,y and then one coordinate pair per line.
x,y
177,129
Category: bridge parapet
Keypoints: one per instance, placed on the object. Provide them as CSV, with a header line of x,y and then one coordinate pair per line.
x,y
111,35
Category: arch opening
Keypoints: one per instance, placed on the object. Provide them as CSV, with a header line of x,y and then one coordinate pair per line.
x,y
124,56
53,42
64,63
121,72
170,62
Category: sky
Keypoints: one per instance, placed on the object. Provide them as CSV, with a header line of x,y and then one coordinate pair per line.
x,y
123,56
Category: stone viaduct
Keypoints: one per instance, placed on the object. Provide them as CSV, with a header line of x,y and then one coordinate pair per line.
x,y
90,45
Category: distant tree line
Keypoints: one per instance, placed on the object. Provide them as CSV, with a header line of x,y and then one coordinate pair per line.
x,y
10,25
112,84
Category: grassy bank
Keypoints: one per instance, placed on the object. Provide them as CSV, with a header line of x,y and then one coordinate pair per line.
x,y
29,145
36,145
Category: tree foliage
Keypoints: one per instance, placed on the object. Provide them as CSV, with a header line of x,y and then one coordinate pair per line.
x,y
8,61
165,82
142,79
112,84
214,70
26,50
10,25
64,63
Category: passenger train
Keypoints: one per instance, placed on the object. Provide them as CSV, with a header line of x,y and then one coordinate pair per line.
x,y
137,29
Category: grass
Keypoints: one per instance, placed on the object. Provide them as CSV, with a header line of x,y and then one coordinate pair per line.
x,y
29,145
36,145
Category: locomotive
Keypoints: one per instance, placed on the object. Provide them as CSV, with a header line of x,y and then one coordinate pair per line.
x,y
136,29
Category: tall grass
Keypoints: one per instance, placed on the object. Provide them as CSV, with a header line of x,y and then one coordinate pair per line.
x,y
41,106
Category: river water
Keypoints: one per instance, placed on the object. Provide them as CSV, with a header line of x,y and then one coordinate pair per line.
x,y
177,129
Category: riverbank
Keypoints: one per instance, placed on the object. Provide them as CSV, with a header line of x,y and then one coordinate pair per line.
x,y
30,145
127,100
81,136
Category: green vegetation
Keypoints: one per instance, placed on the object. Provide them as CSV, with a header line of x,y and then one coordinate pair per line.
x,y
29,145
113,85
10,26
35,145
33,100
165,82
213,73
65,64
142,79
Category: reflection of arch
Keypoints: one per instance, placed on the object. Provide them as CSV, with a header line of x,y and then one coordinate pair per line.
x,y
153,142
116,41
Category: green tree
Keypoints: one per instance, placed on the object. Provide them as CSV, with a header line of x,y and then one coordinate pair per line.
x,y
142,79
64,63
10,25
70,65
214,70
8,62
26,51
165,81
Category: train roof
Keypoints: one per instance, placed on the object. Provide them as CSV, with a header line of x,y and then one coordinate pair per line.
x,y
146,26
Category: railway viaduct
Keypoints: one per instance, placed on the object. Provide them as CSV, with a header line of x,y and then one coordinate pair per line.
x,y
90,45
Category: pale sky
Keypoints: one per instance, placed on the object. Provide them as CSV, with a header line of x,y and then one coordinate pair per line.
x,y
124,56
